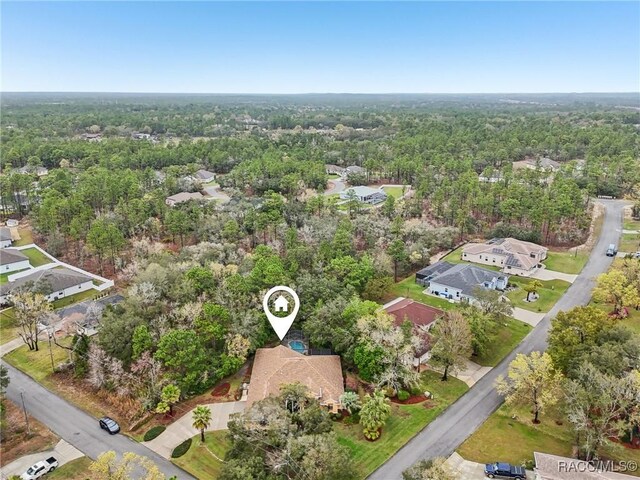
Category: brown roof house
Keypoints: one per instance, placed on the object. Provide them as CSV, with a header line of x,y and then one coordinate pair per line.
x,y
278,366
422,316
512,256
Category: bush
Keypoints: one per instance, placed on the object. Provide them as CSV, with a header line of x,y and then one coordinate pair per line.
x,y
154,432
403,395
181,449
416,391
352,419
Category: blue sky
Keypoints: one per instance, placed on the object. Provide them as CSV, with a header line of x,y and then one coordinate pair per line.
x,y
296,47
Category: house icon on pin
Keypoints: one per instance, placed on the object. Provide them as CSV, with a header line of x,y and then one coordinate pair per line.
x,y
281,304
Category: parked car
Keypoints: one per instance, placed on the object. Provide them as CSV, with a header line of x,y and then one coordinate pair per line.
x,y
636,255
612,250
110,425
40,469
504,470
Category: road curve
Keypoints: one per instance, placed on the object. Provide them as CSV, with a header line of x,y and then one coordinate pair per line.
x,y
75,426
442,436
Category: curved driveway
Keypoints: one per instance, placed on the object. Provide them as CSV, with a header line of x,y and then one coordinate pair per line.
x,y
442,436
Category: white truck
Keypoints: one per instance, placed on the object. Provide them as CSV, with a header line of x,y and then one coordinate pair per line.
x,y
40,469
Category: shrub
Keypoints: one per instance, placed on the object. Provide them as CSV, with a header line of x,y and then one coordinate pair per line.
x,y
181,449
403,395
154,432
416,391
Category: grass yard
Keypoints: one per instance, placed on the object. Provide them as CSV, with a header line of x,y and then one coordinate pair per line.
x,y
36,257
77,469
205,460
26,237
566,262
4,278
511,440
630,224
38,364
405,422
549,294
8,328
410,289
78,297
505,339
632,321
395,192
629,242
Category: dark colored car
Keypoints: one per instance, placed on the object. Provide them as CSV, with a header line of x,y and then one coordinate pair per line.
x,y
504,470
612,251
110,425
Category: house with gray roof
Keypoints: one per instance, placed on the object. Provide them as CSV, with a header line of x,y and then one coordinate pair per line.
x,y
424,276
204,176
554,467
182,197
459,282
54,283
12,260
364,194
5,237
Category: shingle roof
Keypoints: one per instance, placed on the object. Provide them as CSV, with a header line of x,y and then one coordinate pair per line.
x,y
548,468
11,255
516,252
465,277
419,314
204,174
363,191
47,281
185,196
274,367
5,234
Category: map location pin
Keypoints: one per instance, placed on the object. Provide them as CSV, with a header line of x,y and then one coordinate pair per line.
x,y
280,322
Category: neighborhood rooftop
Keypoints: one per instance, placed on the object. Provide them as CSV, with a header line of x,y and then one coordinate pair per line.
x,y
274,367
11,255
53,279
5,234
553,467
466,277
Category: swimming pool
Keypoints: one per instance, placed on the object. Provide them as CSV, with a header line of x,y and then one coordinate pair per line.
x,y
298,346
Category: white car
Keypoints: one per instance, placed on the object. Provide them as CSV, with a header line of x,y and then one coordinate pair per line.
x,y
40,469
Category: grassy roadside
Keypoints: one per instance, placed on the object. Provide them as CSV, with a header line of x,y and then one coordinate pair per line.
x,y
77,469
405,422
566,262
505,339
550,292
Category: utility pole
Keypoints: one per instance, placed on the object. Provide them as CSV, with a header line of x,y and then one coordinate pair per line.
x,y
24,408
53,369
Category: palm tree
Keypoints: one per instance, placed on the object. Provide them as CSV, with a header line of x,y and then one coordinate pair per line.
x,y
201,419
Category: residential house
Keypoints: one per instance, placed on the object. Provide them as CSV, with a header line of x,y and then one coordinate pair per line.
x,y
364,194
513,256
554,467
278,366
12,260
182,197
422,316
29,170
459,282
92,137
204,176
544,163
355,169
54,283
5,237
140,136
424,276
334,170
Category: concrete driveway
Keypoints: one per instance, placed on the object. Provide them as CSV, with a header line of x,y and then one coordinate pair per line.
x,y
63,451
182,429
544,274
335,186
532,318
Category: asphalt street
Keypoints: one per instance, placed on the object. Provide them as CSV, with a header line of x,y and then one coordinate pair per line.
x,y
441,437
75,426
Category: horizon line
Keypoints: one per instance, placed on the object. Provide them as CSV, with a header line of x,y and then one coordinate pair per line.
x,y
323,93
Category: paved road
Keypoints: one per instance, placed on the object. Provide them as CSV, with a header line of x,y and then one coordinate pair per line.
x,y
449,430
75,426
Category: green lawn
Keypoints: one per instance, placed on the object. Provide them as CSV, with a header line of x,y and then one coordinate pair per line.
x,y
8,328
511,440
629,243
36,257
77,469
200,461
550,293
508,335
38,364
632,321
410,289
78,297
566,262
405,422
4,278
395,192
26,238
630,224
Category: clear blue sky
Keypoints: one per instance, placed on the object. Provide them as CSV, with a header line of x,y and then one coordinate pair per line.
x,y
297,47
